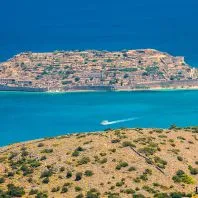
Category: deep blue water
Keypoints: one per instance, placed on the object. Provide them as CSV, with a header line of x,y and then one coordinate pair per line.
x,y
46,25
26,116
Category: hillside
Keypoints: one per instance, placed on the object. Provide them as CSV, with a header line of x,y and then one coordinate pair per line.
x,y
71,70
115,163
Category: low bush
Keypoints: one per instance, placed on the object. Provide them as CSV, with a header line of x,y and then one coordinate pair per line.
x,y
180,158
64,189
128,144
182,177
193,171
33,191
69,174
84,160
132,168
121,164
78,176
88,173
78,188
46,173
40,144
47,150
55,189
2,180
15,191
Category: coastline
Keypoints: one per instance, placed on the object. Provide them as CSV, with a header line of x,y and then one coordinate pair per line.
x,y
116,90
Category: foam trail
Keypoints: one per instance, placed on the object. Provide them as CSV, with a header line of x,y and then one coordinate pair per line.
x,y
106,122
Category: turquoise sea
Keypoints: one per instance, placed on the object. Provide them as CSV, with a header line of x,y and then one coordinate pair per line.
x,y
26,116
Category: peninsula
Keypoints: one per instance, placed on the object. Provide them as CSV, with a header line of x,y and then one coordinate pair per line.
x,y
62,71
121,163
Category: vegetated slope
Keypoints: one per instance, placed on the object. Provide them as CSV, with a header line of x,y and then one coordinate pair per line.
x,y
114,163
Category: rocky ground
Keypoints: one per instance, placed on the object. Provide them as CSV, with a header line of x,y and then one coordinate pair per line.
x,y
114,163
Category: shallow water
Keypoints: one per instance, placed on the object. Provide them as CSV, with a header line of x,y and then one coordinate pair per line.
x,y
26,116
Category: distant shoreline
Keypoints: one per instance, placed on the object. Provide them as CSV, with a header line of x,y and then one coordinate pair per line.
x,y
91,91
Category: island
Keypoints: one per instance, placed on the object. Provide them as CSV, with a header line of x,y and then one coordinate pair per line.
x,y
119,163
61,71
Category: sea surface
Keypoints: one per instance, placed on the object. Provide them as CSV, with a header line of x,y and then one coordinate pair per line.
x,y
27,116
47,25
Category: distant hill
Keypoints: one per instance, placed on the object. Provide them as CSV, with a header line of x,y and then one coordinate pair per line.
x,y
115,163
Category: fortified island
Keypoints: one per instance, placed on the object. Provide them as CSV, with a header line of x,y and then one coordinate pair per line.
x,y
96,70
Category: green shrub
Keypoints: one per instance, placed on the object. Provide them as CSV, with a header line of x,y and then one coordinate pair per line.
x,y
84,160
144,177
15,191
138,196
47,151
148,150
33,192
149,189
180,158
103,161
181,177
2,180
161,195
78,188
69,174
41,195
88,173
34,163
26,170
129,191
115,141
64,189
160,162
132,168
120,183
179,195
78,176
92,193
55,189
46,173
75,153
128,144
193,171
121,164
79,196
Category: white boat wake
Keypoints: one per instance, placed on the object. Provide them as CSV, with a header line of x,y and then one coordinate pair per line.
x,y
106,122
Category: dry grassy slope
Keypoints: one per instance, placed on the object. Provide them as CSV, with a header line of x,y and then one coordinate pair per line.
x,y
102,152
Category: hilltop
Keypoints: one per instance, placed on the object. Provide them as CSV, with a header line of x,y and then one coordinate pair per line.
x,y
114,163
98,70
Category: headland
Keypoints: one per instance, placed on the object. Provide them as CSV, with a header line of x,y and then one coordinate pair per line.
x,y
117,163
